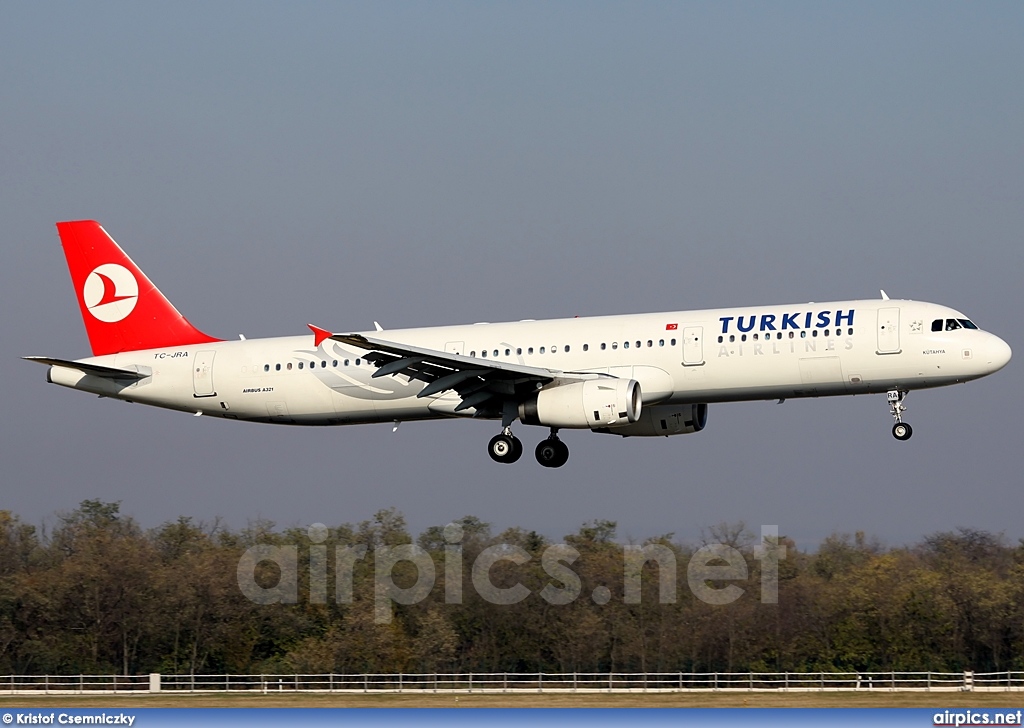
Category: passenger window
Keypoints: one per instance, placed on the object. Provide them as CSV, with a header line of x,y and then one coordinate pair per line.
x,y
300,365
673,342
732,338
603,346
473,354
625,344
850,332
803,334
542,350
358,362
495,352
266,367
814,334
755,337
586,347
649,343
937,325
289,366
530,350
507,352
566,348
335,364
346,362
661,342
323,364
519,351
743,338
638,345
277,367
791,334
483,353
615,345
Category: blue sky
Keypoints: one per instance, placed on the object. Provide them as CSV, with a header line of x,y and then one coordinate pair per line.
x,y
270,165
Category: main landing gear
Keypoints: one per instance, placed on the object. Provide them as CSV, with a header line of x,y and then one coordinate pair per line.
x,y
507,448
901,430
552,452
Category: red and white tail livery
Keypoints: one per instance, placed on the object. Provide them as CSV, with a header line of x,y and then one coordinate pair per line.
x,y
122,309
637,375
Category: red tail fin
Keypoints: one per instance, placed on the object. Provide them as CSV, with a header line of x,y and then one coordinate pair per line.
x,y
122,309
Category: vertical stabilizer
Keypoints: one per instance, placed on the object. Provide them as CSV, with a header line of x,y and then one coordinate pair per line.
x,y
122,309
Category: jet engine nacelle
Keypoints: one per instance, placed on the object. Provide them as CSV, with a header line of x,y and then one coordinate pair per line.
x,y
593,403
664,420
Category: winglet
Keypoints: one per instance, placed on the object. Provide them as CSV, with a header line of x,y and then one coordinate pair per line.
x,y
885,296
319,334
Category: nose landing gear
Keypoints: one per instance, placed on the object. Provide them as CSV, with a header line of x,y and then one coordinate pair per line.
x,y
900,430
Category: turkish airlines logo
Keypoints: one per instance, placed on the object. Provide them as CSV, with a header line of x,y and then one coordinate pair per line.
x,y
110,292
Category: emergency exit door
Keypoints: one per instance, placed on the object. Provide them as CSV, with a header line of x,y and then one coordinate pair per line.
x,y
693,346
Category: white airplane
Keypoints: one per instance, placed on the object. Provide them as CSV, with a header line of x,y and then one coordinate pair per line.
x,y
640,375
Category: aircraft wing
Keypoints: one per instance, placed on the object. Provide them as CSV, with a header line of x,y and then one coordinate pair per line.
x,y
481,383
95,370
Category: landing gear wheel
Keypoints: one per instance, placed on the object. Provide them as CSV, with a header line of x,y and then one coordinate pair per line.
x,y
902,431
517,449
505,448
552,453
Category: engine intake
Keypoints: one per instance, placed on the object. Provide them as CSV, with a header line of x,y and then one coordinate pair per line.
x,y
593,403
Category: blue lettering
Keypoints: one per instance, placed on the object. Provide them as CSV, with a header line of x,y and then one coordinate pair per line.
x,y
840,316
725,323
768,322
745,327
807,320
823,320
789,321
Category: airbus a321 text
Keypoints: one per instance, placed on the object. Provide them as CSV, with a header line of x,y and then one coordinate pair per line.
x,y
641,375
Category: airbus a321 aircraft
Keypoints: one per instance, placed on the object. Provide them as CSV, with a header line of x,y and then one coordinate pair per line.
x,y
641,375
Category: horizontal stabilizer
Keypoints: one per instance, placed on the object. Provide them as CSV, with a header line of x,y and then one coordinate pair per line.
x,y
95,370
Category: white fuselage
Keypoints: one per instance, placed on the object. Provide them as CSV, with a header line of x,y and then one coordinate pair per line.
x,y
771,352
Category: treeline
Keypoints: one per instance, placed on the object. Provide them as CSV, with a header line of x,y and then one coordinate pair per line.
x,y
99,594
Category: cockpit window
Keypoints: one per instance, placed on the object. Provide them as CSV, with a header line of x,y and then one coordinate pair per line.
x,y
953,324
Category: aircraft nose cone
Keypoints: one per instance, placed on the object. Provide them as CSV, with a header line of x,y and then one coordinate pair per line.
x,y
999,354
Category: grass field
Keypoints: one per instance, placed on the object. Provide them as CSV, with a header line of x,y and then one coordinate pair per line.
x,y
561,700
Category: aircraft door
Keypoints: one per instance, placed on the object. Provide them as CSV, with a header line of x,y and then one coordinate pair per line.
x,y
202,374
888,331
693,346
